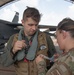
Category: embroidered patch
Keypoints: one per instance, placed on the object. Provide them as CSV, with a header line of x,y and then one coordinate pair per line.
x,y
42,47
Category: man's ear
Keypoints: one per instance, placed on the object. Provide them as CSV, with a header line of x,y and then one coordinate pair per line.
x,y
22,21
64,33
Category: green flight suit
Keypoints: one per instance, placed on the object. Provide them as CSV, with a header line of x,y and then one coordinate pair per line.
x,y
30,67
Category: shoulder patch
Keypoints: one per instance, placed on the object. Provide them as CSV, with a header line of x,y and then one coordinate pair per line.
x,y
43,46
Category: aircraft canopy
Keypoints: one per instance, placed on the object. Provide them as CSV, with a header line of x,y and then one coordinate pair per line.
x,y
4,2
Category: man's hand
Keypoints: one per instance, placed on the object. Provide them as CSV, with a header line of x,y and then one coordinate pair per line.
x,y
39,58
18,46
41,65
52,59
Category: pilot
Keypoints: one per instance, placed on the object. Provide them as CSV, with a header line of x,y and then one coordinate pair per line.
x,y
65,38
24,49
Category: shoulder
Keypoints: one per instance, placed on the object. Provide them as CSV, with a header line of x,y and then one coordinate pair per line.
x,y
59,69
70,57
64,66
41,34
71,60
71,52
67,61
44,33
12,38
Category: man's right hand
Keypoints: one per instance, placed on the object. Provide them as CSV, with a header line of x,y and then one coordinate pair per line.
x,y
18,46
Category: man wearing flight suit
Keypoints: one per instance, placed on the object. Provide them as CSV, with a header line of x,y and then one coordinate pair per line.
x,y
23,49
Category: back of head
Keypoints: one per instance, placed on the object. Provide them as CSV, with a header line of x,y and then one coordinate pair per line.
x,y
67,24
33,13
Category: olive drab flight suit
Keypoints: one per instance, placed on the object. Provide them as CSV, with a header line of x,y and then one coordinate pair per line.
x,y
64,65
28,67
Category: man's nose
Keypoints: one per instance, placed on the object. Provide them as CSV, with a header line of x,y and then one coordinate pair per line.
x,y
34,27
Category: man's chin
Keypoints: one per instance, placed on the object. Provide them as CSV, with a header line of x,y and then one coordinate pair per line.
x,y
32,33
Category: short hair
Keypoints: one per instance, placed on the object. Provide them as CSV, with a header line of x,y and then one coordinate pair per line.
x,y
67,24
33,13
